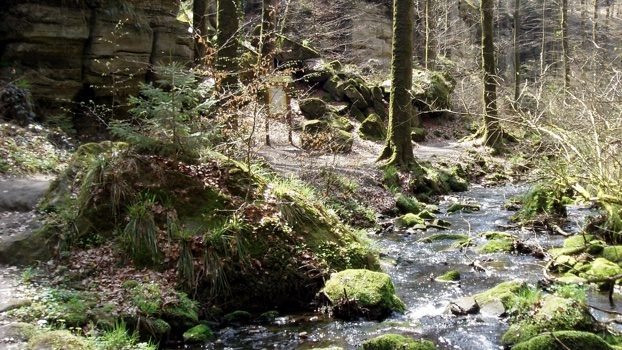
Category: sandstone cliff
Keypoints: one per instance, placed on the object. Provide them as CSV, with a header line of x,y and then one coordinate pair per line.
x,y
67,48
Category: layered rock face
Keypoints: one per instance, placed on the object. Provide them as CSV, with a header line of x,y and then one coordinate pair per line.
x,y
100,48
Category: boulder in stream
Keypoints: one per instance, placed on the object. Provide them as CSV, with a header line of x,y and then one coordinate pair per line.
x,y
362,293
574,340
397,342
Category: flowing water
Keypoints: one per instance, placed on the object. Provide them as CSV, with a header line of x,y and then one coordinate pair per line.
x,y
411,265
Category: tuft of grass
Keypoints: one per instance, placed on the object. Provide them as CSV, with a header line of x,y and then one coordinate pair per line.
x,y
140,233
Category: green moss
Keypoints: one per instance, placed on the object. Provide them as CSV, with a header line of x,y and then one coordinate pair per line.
x,y
184,312
574,340
147,298
59,340
497,246
159,327
371,290
410,220
397,342
555,252
449,276
613,253
578,241
496,235
506,292
198,334
373,128
445,237
602,268
238,317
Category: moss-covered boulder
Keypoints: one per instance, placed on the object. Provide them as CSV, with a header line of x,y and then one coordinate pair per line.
x,y
397,342
341,123
613,253
463,207
372,128
602,269
501,245
570,339
58,340
418,134
411,220
553,313
315,126
362,293
313,108
449,276
198,334
506,293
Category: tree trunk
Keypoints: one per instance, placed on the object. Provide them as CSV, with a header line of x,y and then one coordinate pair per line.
x,y
543,43
199,25
517,63
492,130
268,25
565,48
227,38
430,43
398,148
595,21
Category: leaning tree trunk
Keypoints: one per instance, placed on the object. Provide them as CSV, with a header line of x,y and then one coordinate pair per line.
x,y
492,130
565,48
398,148
516,50
227,40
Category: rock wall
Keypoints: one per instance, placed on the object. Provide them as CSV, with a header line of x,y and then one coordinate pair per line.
x,y
65,48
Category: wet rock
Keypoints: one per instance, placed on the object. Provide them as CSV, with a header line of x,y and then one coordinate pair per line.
x,y
362,293
410,220
464,306
13,304
238,317
494,308
444,237
464,207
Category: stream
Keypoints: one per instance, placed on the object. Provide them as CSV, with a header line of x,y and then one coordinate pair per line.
x,y
411,265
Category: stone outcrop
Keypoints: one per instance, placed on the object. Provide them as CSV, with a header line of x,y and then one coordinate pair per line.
x,y
63,49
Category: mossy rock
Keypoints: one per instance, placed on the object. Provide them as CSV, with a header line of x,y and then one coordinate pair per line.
x,y
371,292
238,317
506,293
357,114
198,334
449,276
496,235
159,328
554,314
355,95
564,263
602,268
397,342
313,108
574,340
578,241
498,246
445,237
315,126
19,331
463,207
342,123
58,340
613,253
372,128
410,220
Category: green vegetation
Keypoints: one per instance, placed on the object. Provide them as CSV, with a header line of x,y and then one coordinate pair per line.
x,y
543,199
198,334
395,342
571,339
449,276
